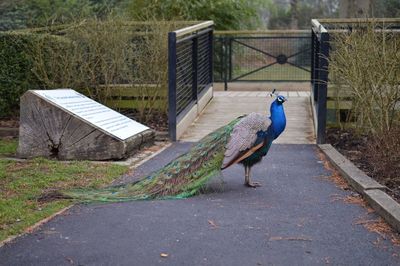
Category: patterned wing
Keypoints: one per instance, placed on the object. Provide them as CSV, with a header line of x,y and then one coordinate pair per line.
x,y
244,136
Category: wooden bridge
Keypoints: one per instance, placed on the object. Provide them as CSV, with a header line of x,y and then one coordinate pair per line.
x,y
227,105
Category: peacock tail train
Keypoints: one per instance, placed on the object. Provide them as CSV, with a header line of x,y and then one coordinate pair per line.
x,y
181,178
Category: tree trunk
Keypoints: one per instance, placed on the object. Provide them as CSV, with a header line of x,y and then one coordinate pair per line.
x,y
354,8
294,24
47,130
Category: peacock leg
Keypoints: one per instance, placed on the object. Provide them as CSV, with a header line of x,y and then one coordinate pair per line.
x,y
246,175
247,181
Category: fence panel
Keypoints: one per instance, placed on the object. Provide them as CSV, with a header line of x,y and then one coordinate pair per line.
x,y
283,56
189,70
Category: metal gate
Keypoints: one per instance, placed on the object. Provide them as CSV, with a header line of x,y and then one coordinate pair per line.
x,y
278,57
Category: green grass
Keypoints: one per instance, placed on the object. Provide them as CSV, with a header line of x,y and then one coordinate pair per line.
x,y
8,147
22,183
274,73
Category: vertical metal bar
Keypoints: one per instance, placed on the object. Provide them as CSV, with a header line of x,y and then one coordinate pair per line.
x,y
172,123
317,55
221,61
225,67
230,58
195,65
312,57
323,87
211,56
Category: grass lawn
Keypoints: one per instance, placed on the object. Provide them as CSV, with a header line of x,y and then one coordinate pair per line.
x,y
22,183
8,147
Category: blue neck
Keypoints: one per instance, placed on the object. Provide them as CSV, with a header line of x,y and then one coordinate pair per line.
x,y
278,119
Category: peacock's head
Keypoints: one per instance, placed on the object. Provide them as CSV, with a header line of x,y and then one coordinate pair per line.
x,y
280,99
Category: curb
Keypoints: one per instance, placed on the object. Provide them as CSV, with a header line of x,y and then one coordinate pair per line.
x,y
354,176
132,162
371,190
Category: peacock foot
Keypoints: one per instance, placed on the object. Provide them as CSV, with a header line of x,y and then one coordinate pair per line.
x,y
253,184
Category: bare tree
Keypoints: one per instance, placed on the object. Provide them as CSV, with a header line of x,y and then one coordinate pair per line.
x,y
294,24
354,8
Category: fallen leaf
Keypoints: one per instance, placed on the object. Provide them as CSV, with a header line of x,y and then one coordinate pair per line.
x,y
164,255
277,238
69,260
213,224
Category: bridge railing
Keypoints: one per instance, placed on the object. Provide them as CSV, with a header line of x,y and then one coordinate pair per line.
x,y
319,77
190,76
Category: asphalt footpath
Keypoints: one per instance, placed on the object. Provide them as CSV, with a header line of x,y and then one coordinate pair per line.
x,y
298,217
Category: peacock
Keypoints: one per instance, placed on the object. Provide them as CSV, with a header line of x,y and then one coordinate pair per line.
x,y
245,140
252,137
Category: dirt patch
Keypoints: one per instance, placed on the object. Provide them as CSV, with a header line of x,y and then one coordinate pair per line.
x,y
9,122
156,120
379,157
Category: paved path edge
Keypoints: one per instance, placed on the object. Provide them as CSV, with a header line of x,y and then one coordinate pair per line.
x,y
35,226
372,191
131,162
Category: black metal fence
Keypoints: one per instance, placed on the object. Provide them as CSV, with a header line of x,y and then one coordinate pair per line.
x,y
189,70
319,77
281,56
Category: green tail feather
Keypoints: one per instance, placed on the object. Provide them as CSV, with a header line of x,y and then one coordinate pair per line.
x,y
181,178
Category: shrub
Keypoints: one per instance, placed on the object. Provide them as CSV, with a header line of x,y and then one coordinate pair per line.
x,y
365,61
92,57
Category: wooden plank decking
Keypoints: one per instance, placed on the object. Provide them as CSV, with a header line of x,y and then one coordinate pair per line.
x,y
227,105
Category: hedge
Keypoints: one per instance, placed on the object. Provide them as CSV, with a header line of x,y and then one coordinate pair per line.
x,y
17,62
92,57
